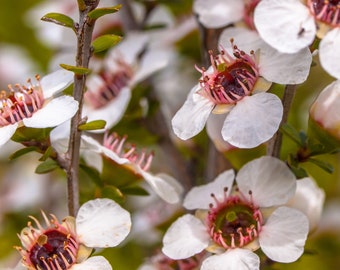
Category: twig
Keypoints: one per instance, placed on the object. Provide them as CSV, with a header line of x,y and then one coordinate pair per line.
x,y
274,145
84,38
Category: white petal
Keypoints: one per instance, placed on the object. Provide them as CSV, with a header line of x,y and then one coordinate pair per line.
x,y
186,237
329,51
254,120
152,61
162,187
102,223
283,236
233,259
270,180
214,127
112,112
218,13
57,111
55,82
309,199
192,116
200,197
59,137
282,67
93,263
7,132
286,25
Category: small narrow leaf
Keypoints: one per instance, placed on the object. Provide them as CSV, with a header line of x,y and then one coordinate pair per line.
x,y
291,133
322,164
113,192
105,42
47,154
59,19
46,166
134,190
76,70
99,12
93,125
92,173
22,152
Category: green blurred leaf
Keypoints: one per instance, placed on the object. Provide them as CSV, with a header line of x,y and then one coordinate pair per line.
x,y
99,12
93,125
46,166
25,134
113,193
23,151
47,154
76,70
93,174
60,19
134,190
105,42
292,133
322,164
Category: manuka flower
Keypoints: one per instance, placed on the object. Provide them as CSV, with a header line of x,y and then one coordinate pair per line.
x,y
292,25
35,106
116,150
68,244
235,84
109,91
232,222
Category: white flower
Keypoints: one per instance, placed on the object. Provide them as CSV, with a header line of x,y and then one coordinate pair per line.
x,y
109,91
100,223
35,105
231,223
291,25
234,86
113,148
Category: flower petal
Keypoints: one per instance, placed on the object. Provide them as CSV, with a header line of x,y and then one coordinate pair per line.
x,y
269,179
57,111
214,127
165,189
309,199
186,237
192,116
254,120
233,259
7,132
200,197
93,263
112,112
283,236
218,13
55,82
329,51
102,223
286,25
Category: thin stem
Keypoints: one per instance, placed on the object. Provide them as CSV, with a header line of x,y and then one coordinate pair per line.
x,y
274,145
84,38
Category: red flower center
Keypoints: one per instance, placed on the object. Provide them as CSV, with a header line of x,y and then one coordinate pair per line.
x,y
326,11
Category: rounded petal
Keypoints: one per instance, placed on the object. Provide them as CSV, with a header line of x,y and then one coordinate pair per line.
x,y
254,120
233,259
186,237
286,25
59,137
7,132
93,263
57,111
192,116
55,82
269,179
284,235
329,51
112,112
309,199
200,197
214,127
218,13
102,223
165,187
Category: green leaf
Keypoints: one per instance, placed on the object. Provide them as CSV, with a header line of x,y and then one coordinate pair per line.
x,y
47,154
76,70
134,190
46,166
105,42
93,125
26,134
59,19
23,151
322,164
92,173
99,12
113,193
292,133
